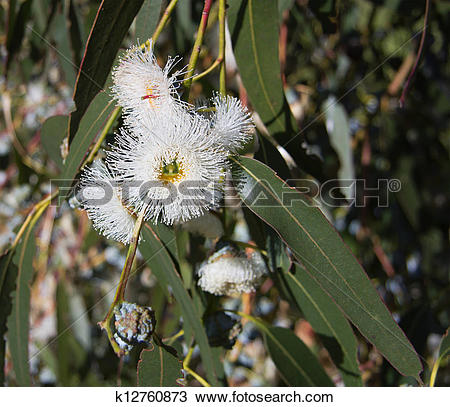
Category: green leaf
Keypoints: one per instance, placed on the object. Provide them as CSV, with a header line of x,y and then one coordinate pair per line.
x,y
16,28
19,319
254,31
111,24
320,249
327,321
8,275
159,368
60,31
70,354
297,365
53,132
161,264
91,124
147,19
444,348
340,139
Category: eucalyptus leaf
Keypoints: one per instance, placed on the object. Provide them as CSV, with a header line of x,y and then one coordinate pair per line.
x,y
340,139
19,319
8,275
158,367
110,26
147,19
254,33
319,248
296,363
53,132
327,321
93,121
161,264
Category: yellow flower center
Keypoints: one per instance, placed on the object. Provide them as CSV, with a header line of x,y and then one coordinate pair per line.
x,y
172,171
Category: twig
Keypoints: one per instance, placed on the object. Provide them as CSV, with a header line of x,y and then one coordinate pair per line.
x,y
33,215
419,53
195,375
197,45
119,297
223,71
162,22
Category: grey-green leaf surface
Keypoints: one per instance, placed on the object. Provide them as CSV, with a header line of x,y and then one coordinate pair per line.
x,y
111,24
8,275
297,365
53,132
340,139
91,124
444,348
19,319
161,264
327,321
254,31
147,19
320,249
70,354
159,368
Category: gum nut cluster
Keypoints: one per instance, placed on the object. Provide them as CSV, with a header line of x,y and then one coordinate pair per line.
x,y
169,160
230,271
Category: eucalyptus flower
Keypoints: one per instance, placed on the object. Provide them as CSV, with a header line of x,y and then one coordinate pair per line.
x,y
100,194
230,272
231,123
174,170
140,84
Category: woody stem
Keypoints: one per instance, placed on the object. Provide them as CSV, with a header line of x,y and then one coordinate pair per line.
x,y
119,296
197,45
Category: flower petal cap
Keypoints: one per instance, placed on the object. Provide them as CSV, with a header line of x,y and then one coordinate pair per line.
x,y
229,271
100,194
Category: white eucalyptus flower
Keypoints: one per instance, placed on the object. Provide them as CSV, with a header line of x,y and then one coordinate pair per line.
x,y
231,124
100,195
173,169
229,272
140,84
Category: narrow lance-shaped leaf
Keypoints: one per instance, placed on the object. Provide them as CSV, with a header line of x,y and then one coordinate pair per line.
x,y
110,26
91,124
53,132
160,262
18,321
254,31
316,244
147,19
295,362
338,130
444,348
327,321
8,275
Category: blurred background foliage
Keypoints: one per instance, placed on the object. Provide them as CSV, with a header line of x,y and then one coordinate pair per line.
x,y
358,53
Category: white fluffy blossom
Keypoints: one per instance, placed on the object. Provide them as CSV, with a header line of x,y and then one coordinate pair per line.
x,y
174,170
231,124
229,272
100,195
140,84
